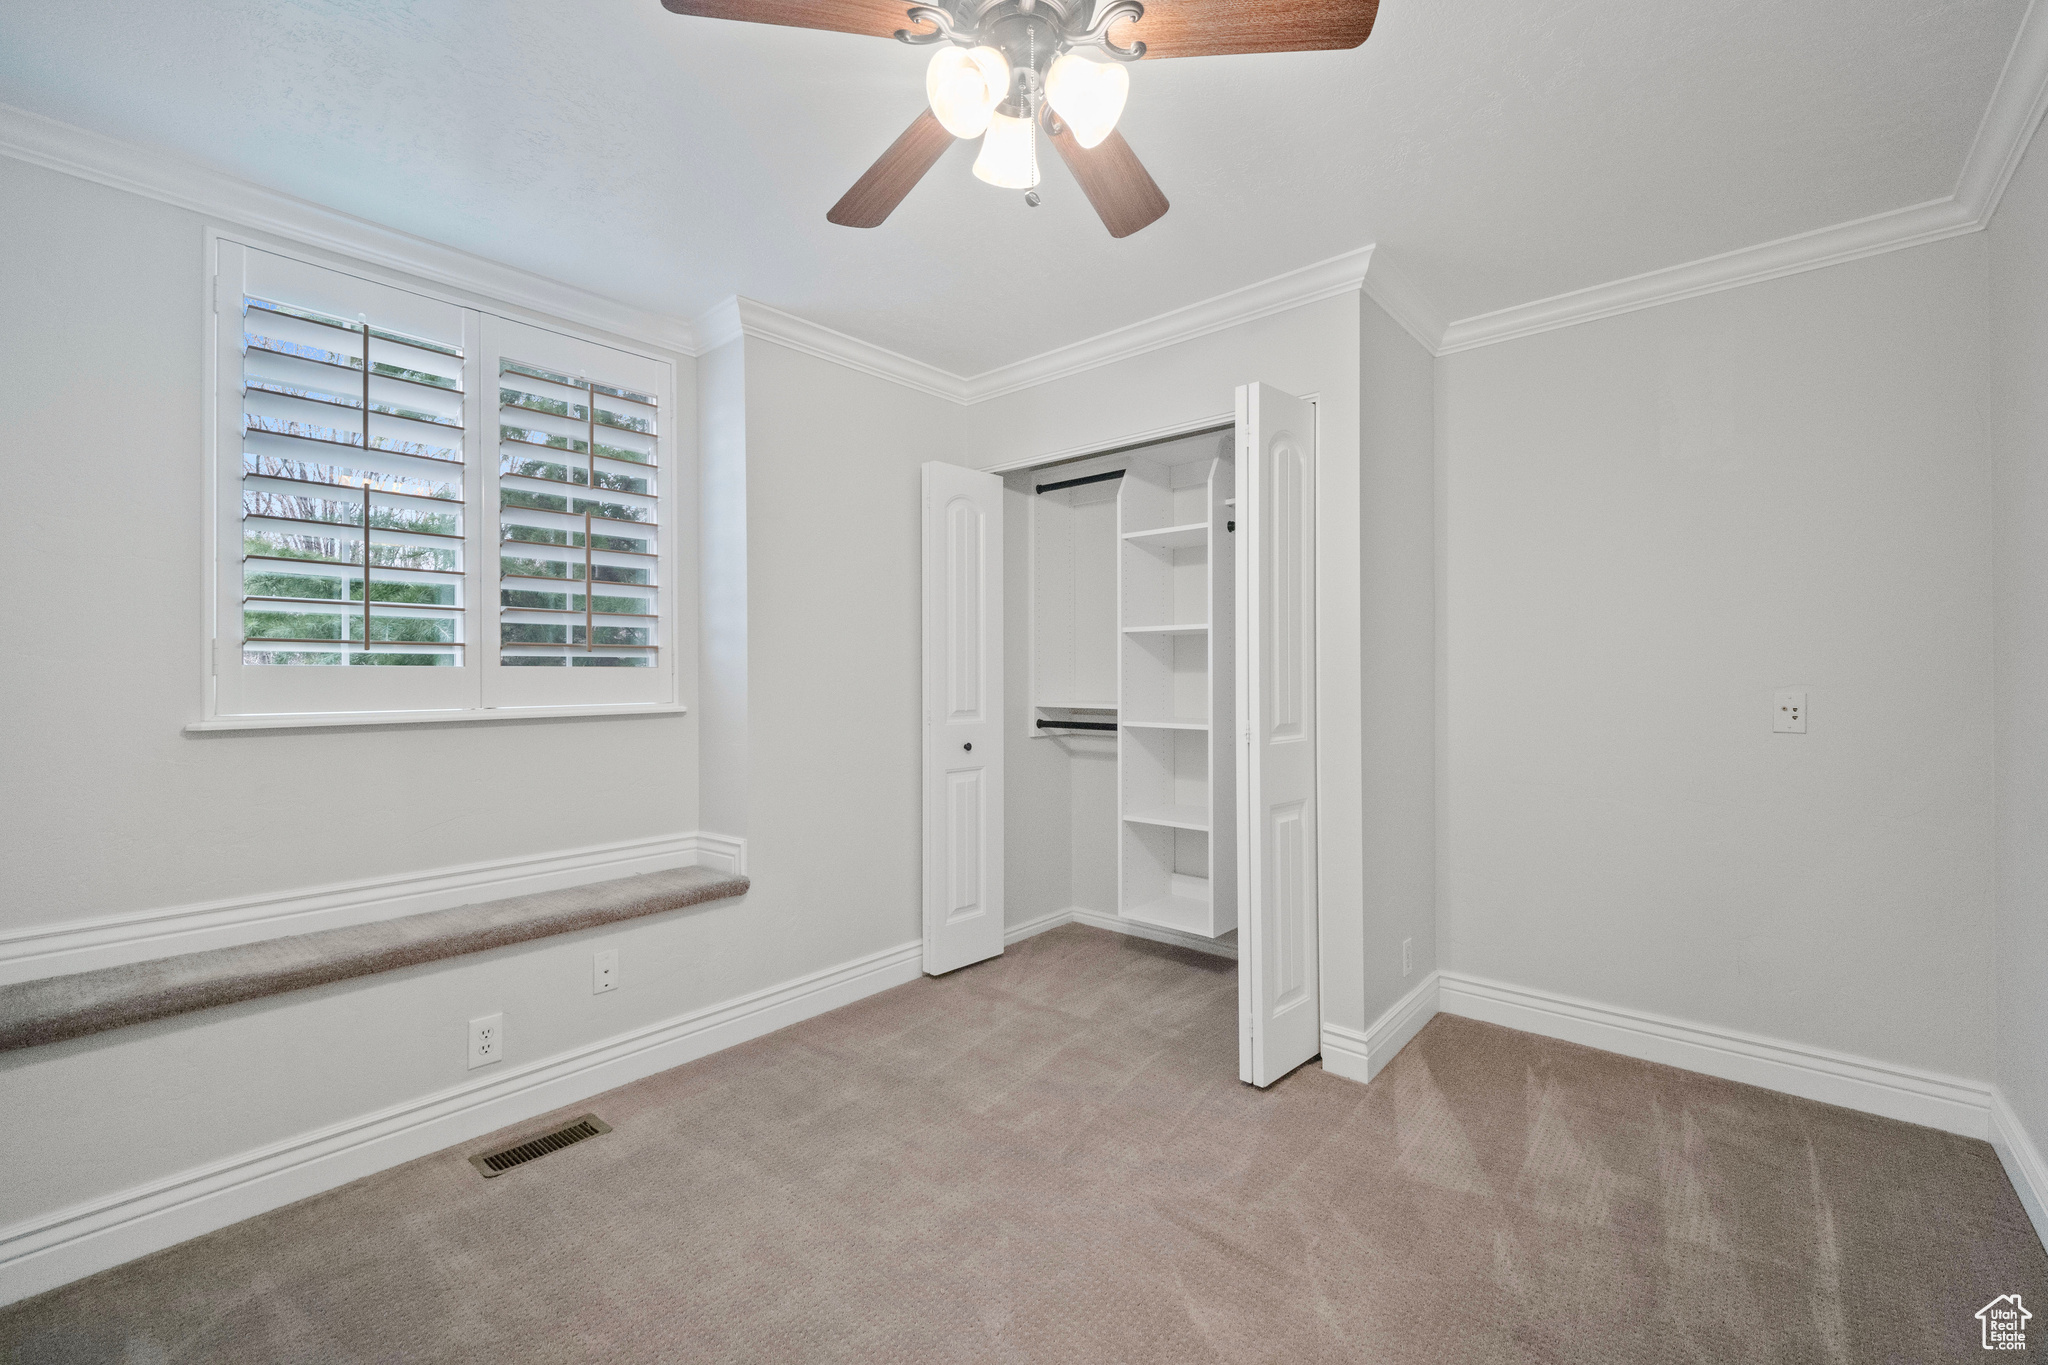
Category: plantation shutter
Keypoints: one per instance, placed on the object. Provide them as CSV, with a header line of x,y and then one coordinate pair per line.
x,y
578,512
343,499
423,509
352,492
584,598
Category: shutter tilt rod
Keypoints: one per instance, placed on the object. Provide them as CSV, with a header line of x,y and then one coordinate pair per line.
x,y
1076,483
1076,725
590,484
366,486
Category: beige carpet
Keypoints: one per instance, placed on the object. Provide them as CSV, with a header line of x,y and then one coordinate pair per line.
x,y
1048,1157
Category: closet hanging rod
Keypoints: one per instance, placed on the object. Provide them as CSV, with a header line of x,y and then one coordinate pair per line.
x,y
1076,483
1076,725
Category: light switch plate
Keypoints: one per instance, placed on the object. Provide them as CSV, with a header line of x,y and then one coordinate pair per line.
x,y
1788,713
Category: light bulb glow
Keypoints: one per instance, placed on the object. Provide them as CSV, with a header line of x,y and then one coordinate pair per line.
x,y
1009,153
1088,95
964,86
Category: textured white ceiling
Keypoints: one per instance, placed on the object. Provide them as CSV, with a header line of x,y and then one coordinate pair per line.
x,y
1499,150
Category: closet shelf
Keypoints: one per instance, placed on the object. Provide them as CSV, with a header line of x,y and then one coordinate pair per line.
x,y
1172,817
1076,705
1187,537
1166,725
1174,912
1192,629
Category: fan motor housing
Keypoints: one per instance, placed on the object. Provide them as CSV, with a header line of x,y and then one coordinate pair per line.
x,y
1029,33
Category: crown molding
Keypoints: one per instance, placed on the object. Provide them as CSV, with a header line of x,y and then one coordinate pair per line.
x,y
2014,112
2010,119
191,185
756,319
1916,226
1240,305
719,325
2008,125
1310,284
1404,302
1324,279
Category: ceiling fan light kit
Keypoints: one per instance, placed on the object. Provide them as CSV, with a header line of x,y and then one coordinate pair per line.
x,y
964,86
1088,95
1008,67
1009,152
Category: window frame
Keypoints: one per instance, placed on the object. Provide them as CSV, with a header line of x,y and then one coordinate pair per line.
x,y
389,696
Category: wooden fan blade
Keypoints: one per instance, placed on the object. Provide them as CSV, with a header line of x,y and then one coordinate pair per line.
x,y
875,195
871,18
1113,178
1220,28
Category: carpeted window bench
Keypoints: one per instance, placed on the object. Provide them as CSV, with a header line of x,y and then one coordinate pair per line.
x,y
59,1007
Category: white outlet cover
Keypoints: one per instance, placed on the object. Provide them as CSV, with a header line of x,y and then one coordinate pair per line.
x,y
1788,713
604,971
486,1040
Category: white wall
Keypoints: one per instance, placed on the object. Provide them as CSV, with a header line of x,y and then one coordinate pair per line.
x,y
103,368
111,808
722,775
2019,358
834,651
1652,522
1398,657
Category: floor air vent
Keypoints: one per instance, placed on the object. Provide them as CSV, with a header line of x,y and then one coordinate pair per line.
x,y
525,1150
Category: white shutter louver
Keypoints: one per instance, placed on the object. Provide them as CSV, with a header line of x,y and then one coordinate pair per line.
x,y
579,556
353,491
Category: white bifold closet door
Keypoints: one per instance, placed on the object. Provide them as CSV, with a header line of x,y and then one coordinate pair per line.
x,y
963,716
1279,1000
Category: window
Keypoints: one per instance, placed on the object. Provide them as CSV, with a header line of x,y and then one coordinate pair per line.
x,y
366,437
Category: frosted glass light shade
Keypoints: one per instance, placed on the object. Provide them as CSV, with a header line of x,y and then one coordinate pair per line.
x,y
1009,153
964,86
1088,95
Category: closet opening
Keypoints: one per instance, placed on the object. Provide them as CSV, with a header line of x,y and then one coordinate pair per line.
x,y
1124,601
1120,707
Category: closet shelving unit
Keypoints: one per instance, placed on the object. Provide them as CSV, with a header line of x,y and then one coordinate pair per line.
x,y
1176,773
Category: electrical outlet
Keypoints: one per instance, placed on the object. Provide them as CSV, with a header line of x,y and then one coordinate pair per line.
x,y
1788,713
1407,956
486,1040
604,971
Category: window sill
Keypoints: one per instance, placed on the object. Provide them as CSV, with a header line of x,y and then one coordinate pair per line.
x,y
357,719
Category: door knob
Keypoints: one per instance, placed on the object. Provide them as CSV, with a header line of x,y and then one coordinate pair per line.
x,y
967,746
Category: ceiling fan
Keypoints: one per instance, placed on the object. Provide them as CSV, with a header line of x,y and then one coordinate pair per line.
x,y
1005,68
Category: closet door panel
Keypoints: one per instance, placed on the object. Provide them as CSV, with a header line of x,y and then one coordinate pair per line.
x,y
1277,943
963,712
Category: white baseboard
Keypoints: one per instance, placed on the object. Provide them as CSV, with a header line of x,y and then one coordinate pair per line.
x,y
1016,933
1360,1056
2022,1160
1924,1097
1346,1053
42,1253
109,941
1095,919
